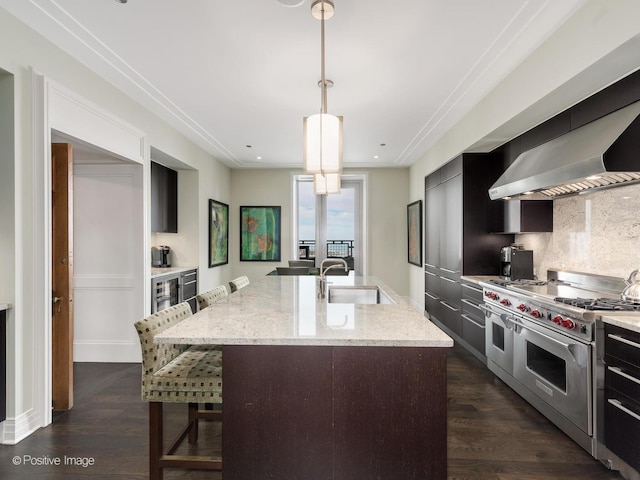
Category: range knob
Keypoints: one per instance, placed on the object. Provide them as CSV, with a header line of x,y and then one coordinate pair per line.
x,y
536,313
557,320
522,307
505,302
491,295
568,324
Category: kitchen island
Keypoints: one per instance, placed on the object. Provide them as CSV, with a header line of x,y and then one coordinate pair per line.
x,y
321,390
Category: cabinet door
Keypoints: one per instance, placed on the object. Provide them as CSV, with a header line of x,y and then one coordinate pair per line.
x,y
433,214
157,195
164,199
189,284
451,232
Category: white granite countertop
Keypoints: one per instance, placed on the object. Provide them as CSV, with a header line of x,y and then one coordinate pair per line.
x,y
285,310
5,306
627,320
160,272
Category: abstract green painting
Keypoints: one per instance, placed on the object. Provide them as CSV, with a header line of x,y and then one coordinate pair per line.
x,y
218,233
260,234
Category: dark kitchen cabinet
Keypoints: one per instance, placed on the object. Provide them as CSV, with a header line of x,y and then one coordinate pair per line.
x,y
622,394
189,288
458,218
164,199
472,319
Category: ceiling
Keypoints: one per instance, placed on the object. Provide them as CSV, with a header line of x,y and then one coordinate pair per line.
x,y
238,76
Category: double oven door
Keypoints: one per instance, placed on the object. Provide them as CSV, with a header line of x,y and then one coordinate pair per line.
x,y
554,367
499,325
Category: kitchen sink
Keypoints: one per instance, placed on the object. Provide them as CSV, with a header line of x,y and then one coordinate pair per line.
x,y
366,294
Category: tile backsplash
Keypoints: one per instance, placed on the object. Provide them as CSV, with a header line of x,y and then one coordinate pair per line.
x,y
594,233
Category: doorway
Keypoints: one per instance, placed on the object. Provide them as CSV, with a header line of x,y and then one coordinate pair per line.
x,y
330,226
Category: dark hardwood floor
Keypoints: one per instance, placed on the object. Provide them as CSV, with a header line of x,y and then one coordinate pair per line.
x,y
492,432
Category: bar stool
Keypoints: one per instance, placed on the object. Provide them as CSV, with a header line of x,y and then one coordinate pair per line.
x,y
238,283
212,296
177,374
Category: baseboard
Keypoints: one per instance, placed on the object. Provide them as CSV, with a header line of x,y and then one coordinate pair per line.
x,y
17,429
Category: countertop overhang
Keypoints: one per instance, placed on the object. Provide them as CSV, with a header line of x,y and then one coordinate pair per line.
x,y
163,271
286,310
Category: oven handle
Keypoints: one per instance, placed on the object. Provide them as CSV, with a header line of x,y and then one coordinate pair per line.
x,y
619,371
565,346
623,340
508,323
618,404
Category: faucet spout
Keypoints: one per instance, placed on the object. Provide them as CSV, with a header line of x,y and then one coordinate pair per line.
x,y
335,263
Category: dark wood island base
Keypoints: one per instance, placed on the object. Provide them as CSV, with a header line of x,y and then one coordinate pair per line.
x,y
334,413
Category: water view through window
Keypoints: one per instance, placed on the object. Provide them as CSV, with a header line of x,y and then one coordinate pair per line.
x,y
335,224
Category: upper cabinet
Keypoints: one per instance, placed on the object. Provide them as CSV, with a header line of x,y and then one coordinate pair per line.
x,y
164,199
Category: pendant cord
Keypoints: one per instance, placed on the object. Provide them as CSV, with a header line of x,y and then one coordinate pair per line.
x,y
322,75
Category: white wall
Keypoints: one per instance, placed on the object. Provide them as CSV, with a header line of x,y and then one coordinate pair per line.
x,y
387,200
596,47
23,51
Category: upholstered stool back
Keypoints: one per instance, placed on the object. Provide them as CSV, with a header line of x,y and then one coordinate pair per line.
x,y
155,356
212,296
238,283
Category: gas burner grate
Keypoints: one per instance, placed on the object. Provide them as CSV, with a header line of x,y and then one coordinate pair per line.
x,y
599,303
524,281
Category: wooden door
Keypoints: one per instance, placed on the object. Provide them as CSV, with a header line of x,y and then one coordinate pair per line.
x,y
62,275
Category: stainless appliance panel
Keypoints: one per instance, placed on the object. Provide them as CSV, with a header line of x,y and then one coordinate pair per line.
x,y
499,337
557,369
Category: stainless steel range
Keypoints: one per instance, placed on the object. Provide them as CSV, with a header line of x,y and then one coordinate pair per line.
x,y
541,339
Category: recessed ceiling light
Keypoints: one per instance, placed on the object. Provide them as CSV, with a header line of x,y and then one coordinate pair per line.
x,y
249,146
122,1
594,177
376,156
528,193
383,144
258,158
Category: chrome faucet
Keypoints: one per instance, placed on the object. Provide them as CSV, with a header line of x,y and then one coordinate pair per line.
x,y
323,273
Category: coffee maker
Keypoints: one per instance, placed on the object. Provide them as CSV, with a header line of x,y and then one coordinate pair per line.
x,y
160,256
516,263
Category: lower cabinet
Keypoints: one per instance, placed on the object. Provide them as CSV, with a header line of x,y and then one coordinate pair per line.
x,y
174,288
472,317
456,307
622,394
189,288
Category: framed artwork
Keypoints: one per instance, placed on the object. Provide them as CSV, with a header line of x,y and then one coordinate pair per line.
x,y
218,233
260,234
414,232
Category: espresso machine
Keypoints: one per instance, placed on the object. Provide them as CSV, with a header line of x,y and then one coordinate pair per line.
x,y
161,256
516,263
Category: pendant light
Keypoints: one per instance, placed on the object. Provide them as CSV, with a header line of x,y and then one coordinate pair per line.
x,y
323,184
322,131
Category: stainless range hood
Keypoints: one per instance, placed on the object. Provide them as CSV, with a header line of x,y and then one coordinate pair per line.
x,y
603,153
